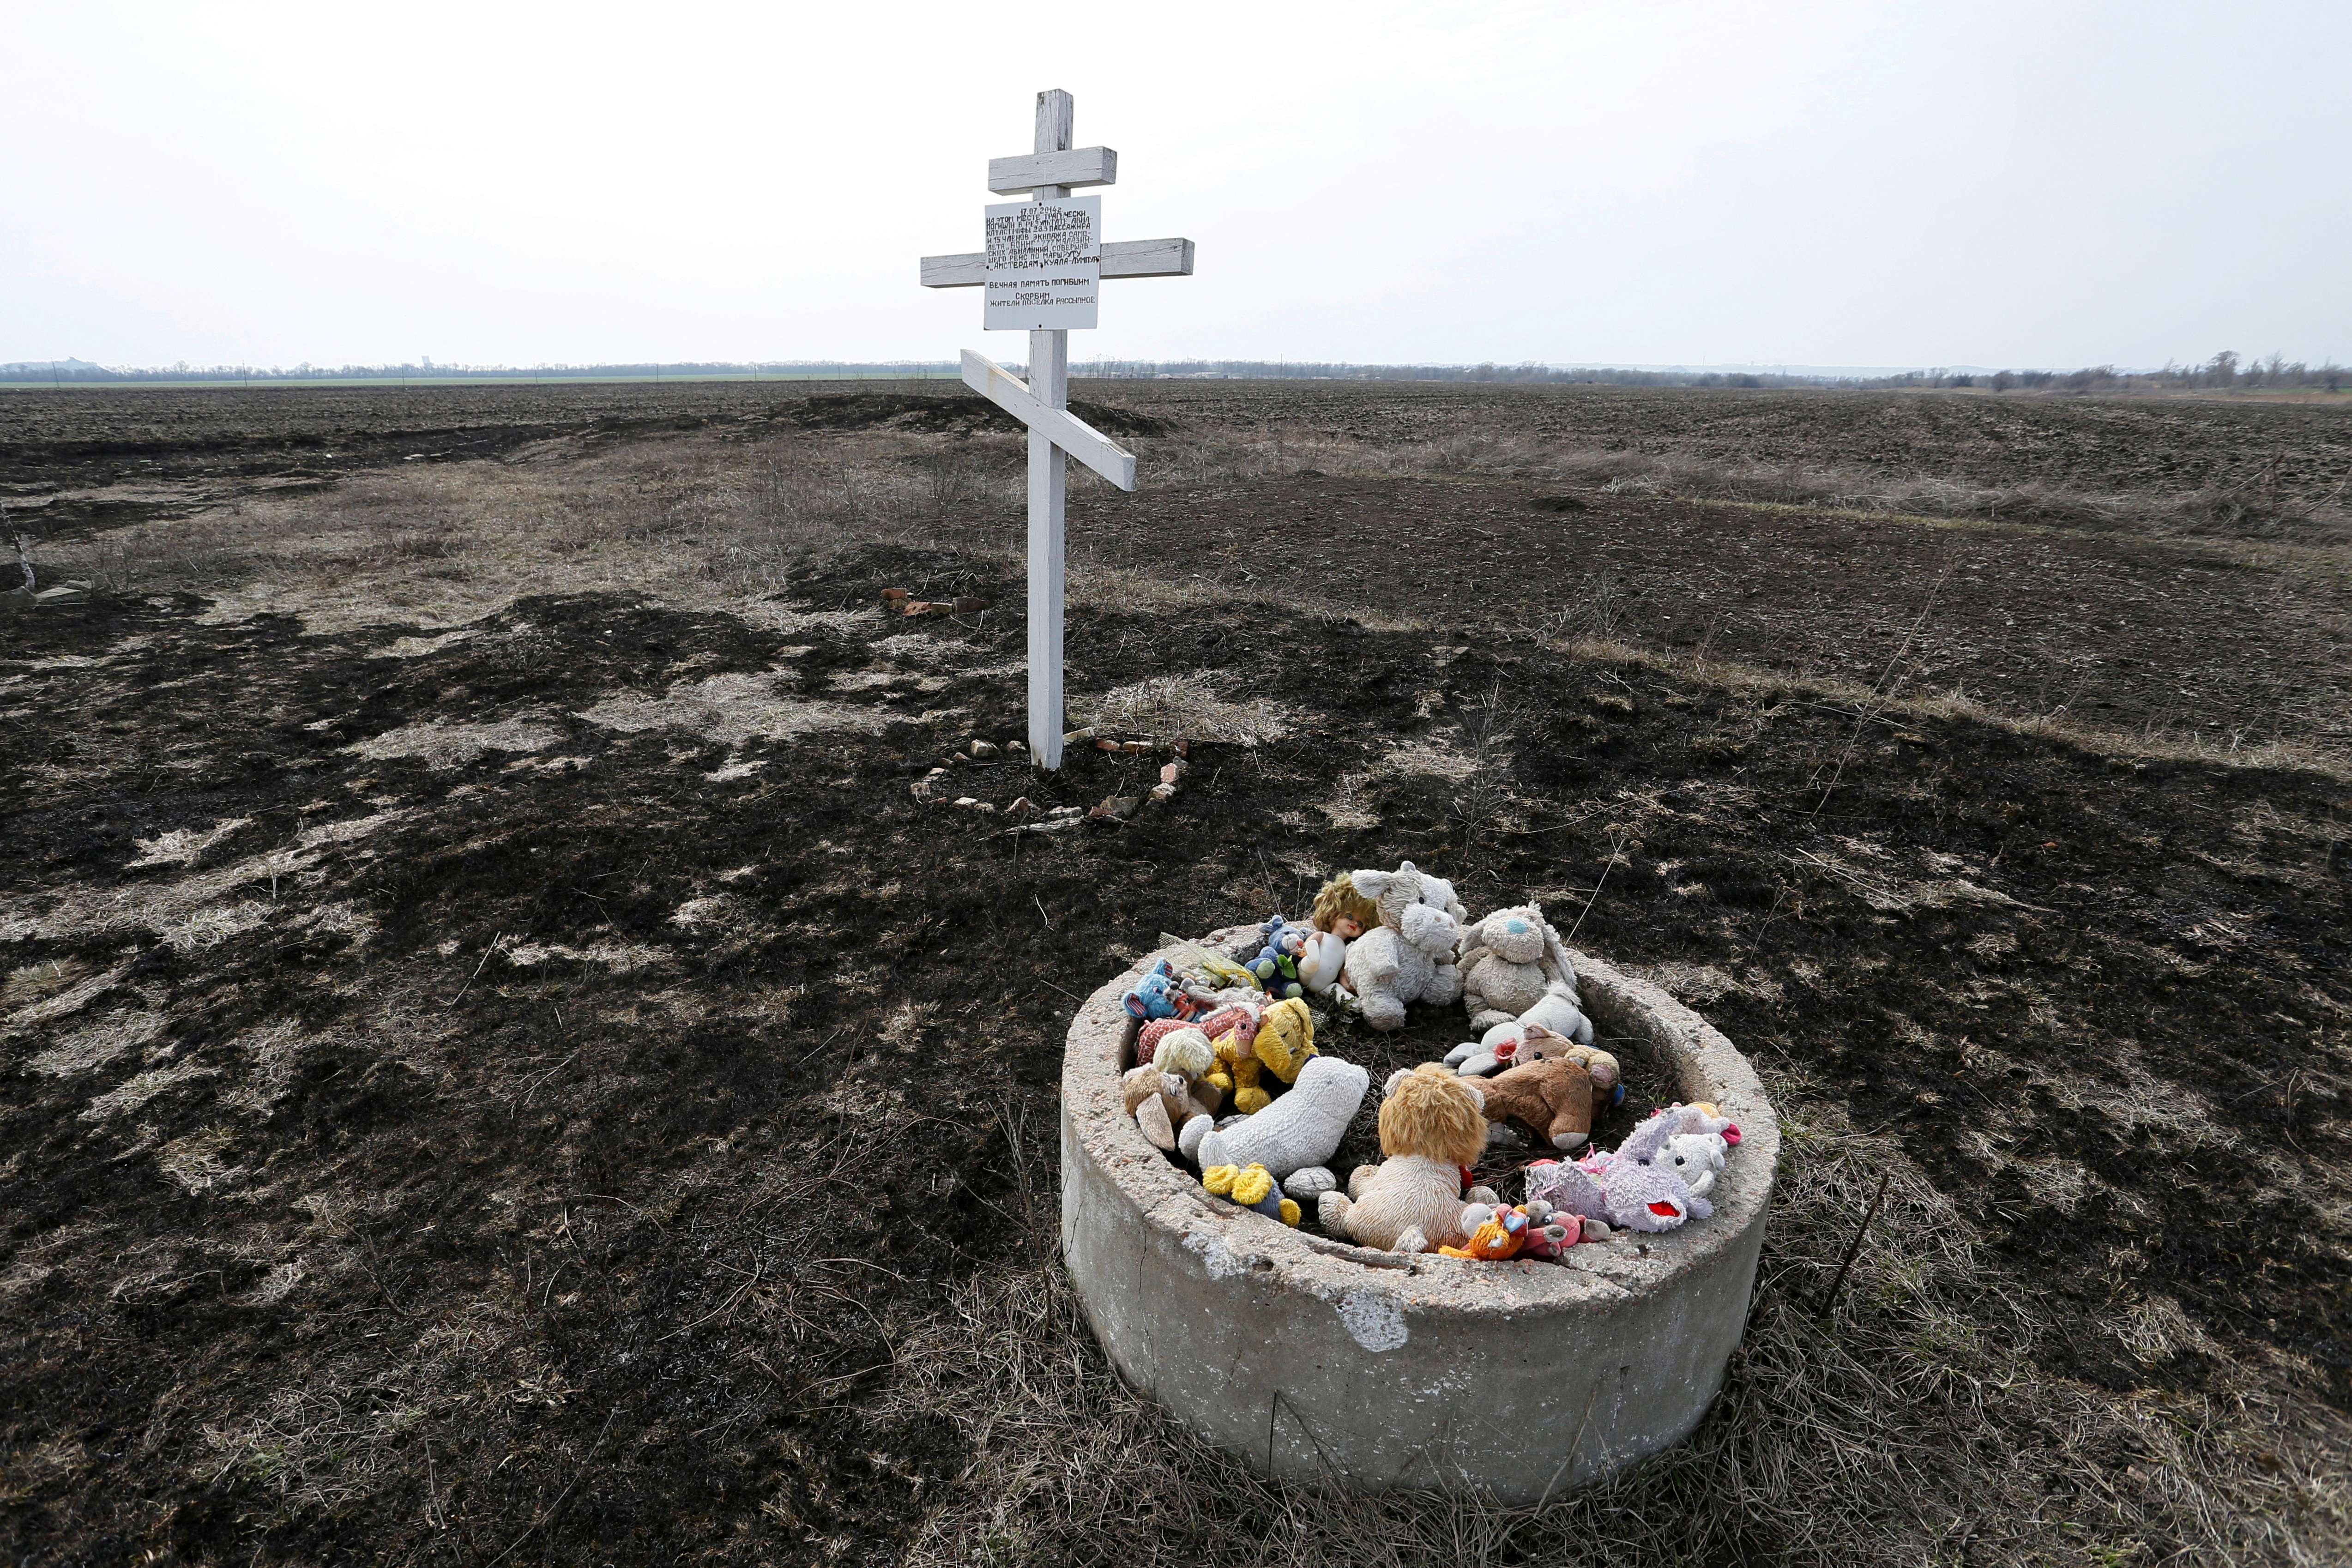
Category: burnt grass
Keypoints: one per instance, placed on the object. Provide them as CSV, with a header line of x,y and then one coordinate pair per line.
x,y
544,1153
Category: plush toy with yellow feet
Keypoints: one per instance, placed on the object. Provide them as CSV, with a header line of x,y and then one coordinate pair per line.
x,y
1252,1187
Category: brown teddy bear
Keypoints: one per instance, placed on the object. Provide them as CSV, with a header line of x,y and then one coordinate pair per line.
x,y
1553,1097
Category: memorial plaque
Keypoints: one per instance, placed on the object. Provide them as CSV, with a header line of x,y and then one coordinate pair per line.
x,y
1045,264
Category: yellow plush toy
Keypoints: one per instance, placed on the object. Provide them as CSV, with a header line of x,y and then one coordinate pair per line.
x,y
1252,1187
1285,1039
1280,1039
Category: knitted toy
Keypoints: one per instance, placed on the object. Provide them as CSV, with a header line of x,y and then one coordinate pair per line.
x,y
1511,961
1499,1235
1252,1187
1555,1098
1635,1188
1294,1137
1184,1051
1408,957
1276,965
1430,1129
1148,1037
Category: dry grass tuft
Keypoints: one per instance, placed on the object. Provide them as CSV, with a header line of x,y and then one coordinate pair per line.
x,y
1183,708
1910,1427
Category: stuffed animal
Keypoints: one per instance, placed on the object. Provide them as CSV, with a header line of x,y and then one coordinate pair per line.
x,y
1713,1121
1516,1044
1635,1188
1700,1151
1162,1092
1695,1157
1512,962
1550,1235
1295,1136
1232,1034
1160,994
1442,895
1408,957
1499,1235
1430,1129
1276,965
1252,1187
1160,1102
1551,1232
1555,1098
1280,1038
1148,1037
1284,1038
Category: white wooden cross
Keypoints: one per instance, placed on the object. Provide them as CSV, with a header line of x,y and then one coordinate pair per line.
x,y
1041,271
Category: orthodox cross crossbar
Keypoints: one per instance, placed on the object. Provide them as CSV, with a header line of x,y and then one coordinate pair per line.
x,y
1041,267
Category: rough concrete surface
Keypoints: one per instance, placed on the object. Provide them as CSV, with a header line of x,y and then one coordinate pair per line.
x,y
1322,1360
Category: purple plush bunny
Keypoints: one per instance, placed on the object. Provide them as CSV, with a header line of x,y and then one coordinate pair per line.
x,y
1636,1188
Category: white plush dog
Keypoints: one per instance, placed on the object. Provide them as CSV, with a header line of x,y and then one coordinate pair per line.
x,y
1294,1137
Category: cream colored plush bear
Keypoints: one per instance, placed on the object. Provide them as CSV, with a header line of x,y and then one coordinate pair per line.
x,y
1432,1125
1513,964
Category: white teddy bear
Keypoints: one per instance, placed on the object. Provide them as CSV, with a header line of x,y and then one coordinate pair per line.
x,y
1409,956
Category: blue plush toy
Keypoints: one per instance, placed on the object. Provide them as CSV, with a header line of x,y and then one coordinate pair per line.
x,y
1276,965
1156,995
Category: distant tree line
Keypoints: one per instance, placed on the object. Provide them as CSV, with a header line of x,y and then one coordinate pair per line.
x,y
2224,370
896,370
1528,371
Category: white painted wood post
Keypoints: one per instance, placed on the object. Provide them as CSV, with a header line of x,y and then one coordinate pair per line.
x,y
1049,382
1042,401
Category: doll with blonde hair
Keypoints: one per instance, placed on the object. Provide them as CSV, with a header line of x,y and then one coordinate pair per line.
x,y
1340,915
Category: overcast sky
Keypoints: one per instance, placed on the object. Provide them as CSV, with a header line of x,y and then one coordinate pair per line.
x,y
1647,181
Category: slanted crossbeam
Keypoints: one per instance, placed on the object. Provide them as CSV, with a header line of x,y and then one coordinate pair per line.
x,y
1061,288
1063,428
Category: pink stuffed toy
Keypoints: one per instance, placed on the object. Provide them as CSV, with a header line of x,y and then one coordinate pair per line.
x,y
1635,1188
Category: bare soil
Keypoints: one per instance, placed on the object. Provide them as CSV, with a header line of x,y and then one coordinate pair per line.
x,y
538,1083
2136,634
